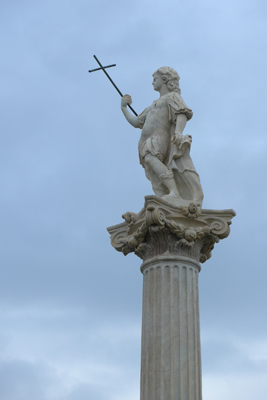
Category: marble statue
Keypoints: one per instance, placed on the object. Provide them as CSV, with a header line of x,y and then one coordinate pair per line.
x,y
172,235
163,149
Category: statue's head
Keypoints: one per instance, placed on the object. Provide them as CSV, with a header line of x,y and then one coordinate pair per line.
x,y
170,77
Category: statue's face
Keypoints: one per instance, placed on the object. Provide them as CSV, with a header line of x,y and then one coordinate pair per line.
x,y
157,82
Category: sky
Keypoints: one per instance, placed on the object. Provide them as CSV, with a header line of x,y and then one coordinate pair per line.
x,y
70,305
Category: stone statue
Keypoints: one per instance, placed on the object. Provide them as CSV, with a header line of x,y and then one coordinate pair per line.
x,y
163,149
172,234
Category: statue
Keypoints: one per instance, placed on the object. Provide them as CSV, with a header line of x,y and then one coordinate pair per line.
x,y
163,149
172,235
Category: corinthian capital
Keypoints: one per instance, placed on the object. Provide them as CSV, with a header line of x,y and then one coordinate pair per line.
x,y
160,228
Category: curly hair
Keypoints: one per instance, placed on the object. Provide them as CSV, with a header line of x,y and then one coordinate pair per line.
x,y
170,77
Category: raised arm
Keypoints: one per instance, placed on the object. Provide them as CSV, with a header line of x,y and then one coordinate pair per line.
x,y
132,119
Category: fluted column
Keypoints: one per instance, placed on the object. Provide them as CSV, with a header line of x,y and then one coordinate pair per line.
x,y
170,356
171,241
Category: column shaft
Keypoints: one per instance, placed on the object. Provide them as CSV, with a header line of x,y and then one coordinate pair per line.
x,y
170,357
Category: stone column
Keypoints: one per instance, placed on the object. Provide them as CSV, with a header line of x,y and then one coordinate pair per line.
x,y
171,241
170,357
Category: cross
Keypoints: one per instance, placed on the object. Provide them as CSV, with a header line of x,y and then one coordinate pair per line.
x,y
104,70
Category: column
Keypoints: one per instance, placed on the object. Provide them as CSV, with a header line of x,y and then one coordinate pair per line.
x,y
171,241
170,355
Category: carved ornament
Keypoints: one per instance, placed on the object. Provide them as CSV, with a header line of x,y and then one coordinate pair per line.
x,y
160,228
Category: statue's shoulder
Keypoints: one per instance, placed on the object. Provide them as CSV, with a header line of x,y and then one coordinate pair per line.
x,y
177,106
175,100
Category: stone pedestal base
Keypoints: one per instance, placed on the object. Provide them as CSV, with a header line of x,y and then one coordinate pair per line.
x,y
171,241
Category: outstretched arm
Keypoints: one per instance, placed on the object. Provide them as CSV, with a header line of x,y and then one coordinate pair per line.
x,y
134,121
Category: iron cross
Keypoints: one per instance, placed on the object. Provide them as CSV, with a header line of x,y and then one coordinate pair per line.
x,y
104,70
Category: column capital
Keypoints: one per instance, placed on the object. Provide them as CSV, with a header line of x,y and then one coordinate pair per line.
x,y
161,228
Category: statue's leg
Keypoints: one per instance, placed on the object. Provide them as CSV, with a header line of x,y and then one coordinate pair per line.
x,y
163,173
168,180
155,164
158,188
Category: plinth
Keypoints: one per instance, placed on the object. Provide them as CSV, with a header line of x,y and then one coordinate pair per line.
x,y
172,241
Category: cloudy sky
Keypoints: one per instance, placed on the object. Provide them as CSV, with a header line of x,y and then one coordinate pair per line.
x,y
70,312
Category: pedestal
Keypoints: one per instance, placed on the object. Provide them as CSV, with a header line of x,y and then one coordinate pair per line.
x,y
172,241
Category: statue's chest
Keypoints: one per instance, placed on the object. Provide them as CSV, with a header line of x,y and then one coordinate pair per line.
x,y
159,104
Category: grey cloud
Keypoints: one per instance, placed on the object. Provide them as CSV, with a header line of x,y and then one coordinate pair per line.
x,y
67,173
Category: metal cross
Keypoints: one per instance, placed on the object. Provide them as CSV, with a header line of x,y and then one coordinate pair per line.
x,y
104,70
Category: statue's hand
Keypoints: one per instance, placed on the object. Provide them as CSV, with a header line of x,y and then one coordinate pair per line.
x,y
125,100
177,139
